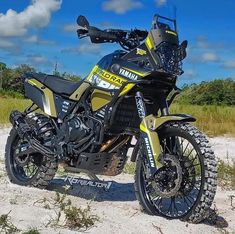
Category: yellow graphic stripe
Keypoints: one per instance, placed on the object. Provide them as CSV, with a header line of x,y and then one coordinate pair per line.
x,y
136,72
127,88
107,76
153,140
171,32
92,72
149,42
48,98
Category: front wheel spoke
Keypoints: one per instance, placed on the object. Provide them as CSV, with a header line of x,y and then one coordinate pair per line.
x,y
186,202
196,188
158,202
186,198
185,148
191,198
175,207
190,152
170,207
194,165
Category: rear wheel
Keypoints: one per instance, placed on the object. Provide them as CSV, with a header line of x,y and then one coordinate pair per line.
x,y
33,169
185,185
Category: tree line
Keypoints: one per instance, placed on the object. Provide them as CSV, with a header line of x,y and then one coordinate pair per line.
x,y
216,92
11,79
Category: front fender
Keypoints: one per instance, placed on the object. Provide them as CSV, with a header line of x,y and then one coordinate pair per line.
x,y
148,128
152,122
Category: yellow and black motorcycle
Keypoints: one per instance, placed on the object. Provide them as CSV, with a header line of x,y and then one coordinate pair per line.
x,y
89,125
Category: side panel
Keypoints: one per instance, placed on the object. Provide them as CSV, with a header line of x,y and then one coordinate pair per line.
x,y
80,91
99,99
41,96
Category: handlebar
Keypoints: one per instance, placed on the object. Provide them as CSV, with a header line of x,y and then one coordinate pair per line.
x,y
127,39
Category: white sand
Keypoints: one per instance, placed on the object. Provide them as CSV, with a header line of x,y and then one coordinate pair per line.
x,y
118,210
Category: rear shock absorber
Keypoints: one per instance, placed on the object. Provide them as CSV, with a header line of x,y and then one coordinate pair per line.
x,y
26,132
22,127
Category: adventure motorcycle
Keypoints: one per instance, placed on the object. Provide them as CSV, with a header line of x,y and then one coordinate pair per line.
x,y
89,125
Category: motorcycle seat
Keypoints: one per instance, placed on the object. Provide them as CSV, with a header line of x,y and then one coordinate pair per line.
x,y
57,84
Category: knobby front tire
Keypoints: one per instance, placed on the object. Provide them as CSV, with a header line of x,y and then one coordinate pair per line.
x,y
207,169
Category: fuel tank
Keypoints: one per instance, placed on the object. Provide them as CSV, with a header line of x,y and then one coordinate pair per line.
x,y
111,73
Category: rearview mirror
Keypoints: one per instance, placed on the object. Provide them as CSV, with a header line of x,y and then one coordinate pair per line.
x,y
83,22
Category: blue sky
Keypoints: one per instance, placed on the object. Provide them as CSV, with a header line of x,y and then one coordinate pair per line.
x,y
41,32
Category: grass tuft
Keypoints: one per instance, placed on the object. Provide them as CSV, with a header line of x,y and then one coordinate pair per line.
x,y
68,215
6,225
33,230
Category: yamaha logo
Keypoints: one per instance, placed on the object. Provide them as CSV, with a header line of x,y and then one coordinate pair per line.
x,y
128,74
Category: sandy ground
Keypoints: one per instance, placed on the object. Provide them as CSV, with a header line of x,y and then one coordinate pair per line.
x,y
118,210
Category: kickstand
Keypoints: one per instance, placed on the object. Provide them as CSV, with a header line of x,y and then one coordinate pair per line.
x,y
93,177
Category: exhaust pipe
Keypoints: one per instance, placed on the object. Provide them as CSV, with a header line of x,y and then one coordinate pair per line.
x,y
25,132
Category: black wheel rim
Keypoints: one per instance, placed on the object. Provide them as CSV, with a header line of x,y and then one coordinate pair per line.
x,y
27,172
182,203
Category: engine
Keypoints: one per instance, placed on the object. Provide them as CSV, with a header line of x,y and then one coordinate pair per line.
x,y
73,130
73,134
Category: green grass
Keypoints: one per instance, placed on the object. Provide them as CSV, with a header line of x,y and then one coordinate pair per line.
x,y
9,104
32,230
226,174
10,94
6,226
213,120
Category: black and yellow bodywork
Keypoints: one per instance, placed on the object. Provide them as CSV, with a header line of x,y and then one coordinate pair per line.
x,y
88,126
111,86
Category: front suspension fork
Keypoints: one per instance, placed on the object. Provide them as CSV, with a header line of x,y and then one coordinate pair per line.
x,y
149,137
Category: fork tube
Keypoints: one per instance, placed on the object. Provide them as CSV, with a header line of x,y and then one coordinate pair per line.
x,y
148,137
141,108
164,106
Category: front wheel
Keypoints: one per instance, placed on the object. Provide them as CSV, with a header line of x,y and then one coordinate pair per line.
x,y
185,185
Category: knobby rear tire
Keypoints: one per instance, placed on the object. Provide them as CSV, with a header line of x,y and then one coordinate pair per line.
x,y
44,175
200,209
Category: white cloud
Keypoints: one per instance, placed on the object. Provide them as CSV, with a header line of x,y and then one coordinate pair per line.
x,y
6,44
35,39
121,6
161,3
36,15
190,73
229,64
70,28
209,57
39,61
202,42
85,47
32,39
